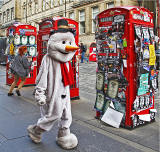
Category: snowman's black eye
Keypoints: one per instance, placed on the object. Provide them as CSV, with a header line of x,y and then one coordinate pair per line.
x,y
70,43
63,42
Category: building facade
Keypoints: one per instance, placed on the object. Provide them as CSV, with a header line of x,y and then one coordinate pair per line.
x,y
83,11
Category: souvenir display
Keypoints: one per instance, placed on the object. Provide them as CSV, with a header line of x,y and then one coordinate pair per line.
x,y
147,75
18,35
126,73
107,104
32,51
112,88
17,40
100,101
100,81
24,40
32,40
135,121
110,79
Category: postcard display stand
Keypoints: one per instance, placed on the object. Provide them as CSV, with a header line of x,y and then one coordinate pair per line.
x,y
126,78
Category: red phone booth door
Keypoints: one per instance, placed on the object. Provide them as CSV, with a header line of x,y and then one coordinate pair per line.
x,y
126,75
19,35
43,36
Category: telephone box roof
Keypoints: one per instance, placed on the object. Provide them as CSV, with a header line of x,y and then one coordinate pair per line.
x,y
127,8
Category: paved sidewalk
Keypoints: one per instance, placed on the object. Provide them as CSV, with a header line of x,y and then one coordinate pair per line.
x,y
93,135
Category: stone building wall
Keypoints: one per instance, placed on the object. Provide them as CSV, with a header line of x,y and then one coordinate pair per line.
x,y
36,12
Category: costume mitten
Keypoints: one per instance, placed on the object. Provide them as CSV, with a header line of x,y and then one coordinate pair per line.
x,y
65,139
35,133
41,102
40,96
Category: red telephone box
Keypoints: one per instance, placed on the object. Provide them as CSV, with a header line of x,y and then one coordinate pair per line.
x,y
92,52
45,28
126,74
18,35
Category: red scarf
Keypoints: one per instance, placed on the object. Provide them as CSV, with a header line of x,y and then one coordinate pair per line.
x,y
67,76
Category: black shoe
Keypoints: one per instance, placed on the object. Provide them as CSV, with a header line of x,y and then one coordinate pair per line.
x,y
10,94
18,93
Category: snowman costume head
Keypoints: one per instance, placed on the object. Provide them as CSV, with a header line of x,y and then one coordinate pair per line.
x,y
53,87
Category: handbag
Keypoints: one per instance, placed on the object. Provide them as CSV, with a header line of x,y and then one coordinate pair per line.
x,y
12,66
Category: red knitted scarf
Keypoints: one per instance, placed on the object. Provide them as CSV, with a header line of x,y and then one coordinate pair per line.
x,y
67,76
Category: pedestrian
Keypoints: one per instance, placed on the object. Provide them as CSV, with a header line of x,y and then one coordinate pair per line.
x,y
83,52
20,68
52,91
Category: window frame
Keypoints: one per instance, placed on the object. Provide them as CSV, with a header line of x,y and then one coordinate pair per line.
x,y
93,18
82,21
111,2
70,16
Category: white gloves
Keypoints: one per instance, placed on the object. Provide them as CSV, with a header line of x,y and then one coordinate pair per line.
x,y
40,96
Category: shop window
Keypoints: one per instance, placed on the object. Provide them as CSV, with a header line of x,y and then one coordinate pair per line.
x,y
110,5
82,21
71,15
95,12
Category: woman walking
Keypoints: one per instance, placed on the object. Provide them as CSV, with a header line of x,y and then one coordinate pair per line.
x,y
20,68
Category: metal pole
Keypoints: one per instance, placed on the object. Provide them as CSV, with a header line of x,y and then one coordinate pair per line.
x,y
65,7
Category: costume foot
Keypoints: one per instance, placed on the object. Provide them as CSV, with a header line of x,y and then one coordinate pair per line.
x,y
18,93
67,142
10,94
35,137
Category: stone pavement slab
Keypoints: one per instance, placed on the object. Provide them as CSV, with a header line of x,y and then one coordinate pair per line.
x,y
89,141
22,112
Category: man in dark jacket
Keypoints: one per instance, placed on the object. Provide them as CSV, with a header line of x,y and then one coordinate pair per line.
x,y
83,50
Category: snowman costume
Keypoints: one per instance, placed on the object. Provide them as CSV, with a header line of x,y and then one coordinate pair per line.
x,y
53,88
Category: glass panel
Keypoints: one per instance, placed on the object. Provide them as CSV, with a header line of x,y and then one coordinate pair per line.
x,y
60,2
44,5
24,40
32,51
82,27
32,40
17,40
52,3
93,26
110,5
71,15
95,11
82,15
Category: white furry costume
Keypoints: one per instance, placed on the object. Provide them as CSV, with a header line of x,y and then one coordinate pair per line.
x,y
51,90
50,86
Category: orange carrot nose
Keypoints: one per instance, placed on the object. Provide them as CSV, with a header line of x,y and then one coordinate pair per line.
x,y
71,48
